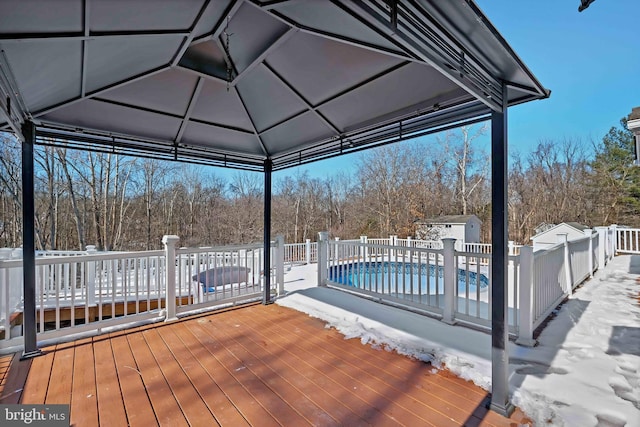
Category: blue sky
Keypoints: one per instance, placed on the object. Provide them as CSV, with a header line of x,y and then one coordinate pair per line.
x,y
590,60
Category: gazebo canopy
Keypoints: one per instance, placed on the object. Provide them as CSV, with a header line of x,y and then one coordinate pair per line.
x,y
233,83
259,85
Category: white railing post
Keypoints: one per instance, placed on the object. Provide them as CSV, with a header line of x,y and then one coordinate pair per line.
x,y
602,246
323,259
562,238
280,264
588,232
525,302
448,248
365,250
91,277
614,241
511,247
170,242
393,241
307,251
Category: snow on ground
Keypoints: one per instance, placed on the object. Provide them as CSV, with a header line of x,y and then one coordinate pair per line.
x,y
585,371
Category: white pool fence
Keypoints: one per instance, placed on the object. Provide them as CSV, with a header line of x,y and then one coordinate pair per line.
x,y
88,291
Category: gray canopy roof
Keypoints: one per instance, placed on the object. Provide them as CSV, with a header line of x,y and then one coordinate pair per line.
x,y
233,83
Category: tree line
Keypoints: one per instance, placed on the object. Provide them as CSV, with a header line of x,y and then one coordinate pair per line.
x,y
124,203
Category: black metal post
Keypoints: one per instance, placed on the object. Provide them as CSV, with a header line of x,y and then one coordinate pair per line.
x,y
499,258
28,244
268,167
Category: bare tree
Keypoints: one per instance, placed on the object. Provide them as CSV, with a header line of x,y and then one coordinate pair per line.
x,y
10,191
470,163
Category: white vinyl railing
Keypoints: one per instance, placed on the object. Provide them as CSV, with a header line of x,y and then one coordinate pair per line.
x,y
213,275
455,285
447,283
549,276
80,292
394,272
301,253
627,240
558,270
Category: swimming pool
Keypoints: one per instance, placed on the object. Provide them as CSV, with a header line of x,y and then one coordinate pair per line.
x,y
405,278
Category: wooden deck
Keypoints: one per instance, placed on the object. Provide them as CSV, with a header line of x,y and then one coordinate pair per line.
x,y
256,365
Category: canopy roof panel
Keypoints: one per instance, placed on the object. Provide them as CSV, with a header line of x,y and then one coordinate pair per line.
x,y
236,82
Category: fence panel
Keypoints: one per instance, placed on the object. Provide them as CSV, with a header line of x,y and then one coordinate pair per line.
x,y
296,253
473,286
80,293
549,278
579,260
405,275
628,240
214,276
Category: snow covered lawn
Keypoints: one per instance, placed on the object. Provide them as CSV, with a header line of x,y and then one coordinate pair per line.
x,y
585,371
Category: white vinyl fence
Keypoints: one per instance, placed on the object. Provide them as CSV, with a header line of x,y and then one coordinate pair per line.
x,y
628,240
452,282
301,253
86,292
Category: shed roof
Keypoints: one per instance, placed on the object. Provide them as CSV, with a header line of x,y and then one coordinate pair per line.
x,y
575,225
449,219
234,82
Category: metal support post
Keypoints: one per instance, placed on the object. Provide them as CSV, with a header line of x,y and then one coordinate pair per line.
x,y
28,243
266,295
499,271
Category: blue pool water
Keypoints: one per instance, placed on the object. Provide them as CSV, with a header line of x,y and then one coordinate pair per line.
x,y
398,277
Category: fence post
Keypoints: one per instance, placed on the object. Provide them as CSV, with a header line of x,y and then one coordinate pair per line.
x,y
323,259
614,241
588,232
365,250
307,251
448,247
170,242
91,277
525,302
511,247
280,264
562,238
602,246
393,241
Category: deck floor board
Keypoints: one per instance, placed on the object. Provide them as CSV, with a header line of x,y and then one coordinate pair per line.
x,y
84,400
255,365
111,410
